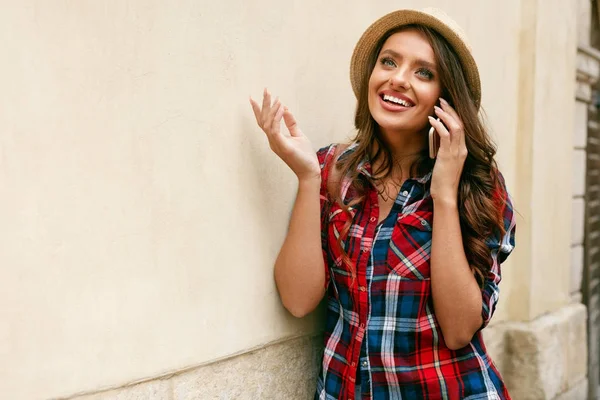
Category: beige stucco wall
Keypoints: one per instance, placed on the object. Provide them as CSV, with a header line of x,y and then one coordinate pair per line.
x,y
141,208
544,135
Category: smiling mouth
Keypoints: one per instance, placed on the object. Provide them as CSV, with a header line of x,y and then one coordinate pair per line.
x,y
396,101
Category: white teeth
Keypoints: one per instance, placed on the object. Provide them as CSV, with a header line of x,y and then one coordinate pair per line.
x,y
396,100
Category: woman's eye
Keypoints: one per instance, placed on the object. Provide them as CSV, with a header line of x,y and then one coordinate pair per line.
x,y
388,62
425,73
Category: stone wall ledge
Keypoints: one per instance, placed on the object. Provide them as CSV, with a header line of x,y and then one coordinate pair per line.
x,y
547,357
245,375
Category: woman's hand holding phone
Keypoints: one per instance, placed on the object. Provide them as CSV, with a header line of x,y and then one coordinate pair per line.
x,y
451,154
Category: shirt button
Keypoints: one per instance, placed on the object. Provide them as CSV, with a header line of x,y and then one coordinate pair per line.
x,y
423,222
372,219
405,193
364,364
354,364
362,326
362,288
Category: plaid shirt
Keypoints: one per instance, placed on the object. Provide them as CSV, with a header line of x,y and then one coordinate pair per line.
x,y
382,332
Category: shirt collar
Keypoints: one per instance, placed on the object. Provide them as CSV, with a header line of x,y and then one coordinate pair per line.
x,y
364,166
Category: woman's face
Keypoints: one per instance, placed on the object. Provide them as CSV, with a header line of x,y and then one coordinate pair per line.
x,y
404,85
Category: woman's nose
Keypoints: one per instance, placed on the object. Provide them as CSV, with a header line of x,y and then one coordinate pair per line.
x,y
400,79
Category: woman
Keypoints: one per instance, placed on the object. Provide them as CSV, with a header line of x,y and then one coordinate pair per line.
x,y
411,245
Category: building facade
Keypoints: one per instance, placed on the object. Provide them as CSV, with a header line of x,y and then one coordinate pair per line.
x,y
143,209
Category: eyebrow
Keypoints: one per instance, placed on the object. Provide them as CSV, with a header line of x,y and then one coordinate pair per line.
x,y
419,62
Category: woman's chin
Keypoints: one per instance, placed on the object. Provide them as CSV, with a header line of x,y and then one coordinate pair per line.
x,y
399,124
393,126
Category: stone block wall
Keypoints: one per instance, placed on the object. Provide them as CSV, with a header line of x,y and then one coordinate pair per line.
x,y
285,370
547,357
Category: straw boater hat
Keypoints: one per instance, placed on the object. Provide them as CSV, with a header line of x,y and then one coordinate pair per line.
x,y
429,17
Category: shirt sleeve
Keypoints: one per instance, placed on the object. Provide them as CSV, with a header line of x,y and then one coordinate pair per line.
x,y
500,249
325,156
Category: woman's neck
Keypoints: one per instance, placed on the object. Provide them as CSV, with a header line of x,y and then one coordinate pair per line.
x,y
405,150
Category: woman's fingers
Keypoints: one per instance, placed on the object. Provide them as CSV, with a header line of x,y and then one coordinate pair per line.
x,y
269,116
454,125
266,100
266,107
453,121
256,110
264,115
449,121
290,123
448,108
268,123
276,123
460,129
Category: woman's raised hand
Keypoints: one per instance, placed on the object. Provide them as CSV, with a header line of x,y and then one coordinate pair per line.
x,y
451,156
295,150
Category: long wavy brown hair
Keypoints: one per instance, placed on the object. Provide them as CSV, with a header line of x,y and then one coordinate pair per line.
x,y
480,194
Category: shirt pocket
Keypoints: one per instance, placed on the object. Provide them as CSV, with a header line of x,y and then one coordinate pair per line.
x,y
338,222
409,250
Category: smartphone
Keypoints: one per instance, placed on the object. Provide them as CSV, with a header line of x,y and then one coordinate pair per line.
x,y
434,142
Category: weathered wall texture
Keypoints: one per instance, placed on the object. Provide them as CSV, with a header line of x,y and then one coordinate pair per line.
x,y
281,371
141,207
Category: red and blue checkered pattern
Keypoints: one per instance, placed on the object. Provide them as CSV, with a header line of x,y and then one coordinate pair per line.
x,y
381,332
